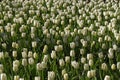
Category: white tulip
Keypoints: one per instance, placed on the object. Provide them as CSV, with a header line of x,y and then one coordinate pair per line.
x,y
107,77
113,66
53,55
89,56
72,45
16,62
63,72
15,68
45,49
37,77
51,75
30,54
104,66
65,76
118,65
31,61
67,59
1,55
72,53
21,79
91,62
24,54
3,76
34,44
14,54
45,59
1,68
16,77
75,64
83,60
24,62
89,75
61,62
86,67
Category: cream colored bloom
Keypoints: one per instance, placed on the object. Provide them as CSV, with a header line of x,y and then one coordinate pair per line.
x,y
45,49
53,55
104,66
37,77
107,77
51,75
3,76
16,77
61,62
75,64
65,76
72,45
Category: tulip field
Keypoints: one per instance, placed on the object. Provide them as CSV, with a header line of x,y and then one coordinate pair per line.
x,y
59,40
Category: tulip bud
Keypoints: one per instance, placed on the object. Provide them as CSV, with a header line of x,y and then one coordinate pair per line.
x,y
60,47
43,65
31,61
30,54
91,62
45,49
21,79
72,53
115,47
84,43
45,59
33,29
37,77
14,54
86,67
35,55
110,50
16,77
93,73
3,76
1,68
82,51
107,77
104,66
63,72
34,44
83,60
1,55
57,48
103,46
72,45
4,45
24,62
100,55
118,65
89,56
110,55
15,68
51,75
23,35
13,33
113,66
16,62
89,75
32,35
75,64
100,39
24,54
61,62
53,55
65,76
67,59
38,66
